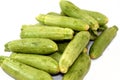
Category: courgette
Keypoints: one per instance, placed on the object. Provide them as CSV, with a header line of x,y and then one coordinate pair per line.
x,y
63,21
79,69
45,63
73,49
32,45
54,33
71,10
101,18
20,71
101,43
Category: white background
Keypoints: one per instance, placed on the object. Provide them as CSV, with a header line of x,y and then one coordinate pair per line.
x,y
14,13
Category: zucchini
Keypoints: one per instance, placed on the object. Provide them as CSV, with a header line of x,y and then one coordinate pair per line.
x,y
20,71
32,45
101,43
101,18
79,69
73,49
63,21
71,10
54,33
41,62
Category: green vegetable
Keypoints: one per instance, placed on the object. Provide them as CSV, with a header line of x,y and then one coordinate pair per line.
x,y
20,71
101,18
41,62
72,10
102,42
63,21
32,45
79,69
56,56
73,49
54,33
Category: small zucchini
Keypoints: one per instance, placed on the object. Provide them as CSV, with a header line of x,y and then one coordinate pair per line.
x,y
79,69
63,21
32,45
73,49
71,10
20,71
41,62
101,43
54,33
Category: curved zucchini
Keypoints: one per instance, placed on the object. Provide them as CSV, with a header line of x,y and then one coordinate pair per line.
x,y
72,10
20,71
101,43
73,49
32,45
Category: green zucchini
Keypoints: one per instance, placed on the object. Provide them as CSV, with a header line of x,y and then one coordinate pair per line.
x,y
32,45
73,49
41,62
54,33
70,9
101,43
63,21
79,69
101,18
20,71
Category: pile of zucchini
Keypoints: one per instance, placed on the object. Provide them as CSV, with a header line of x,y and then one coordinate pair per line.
x,y
58,44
